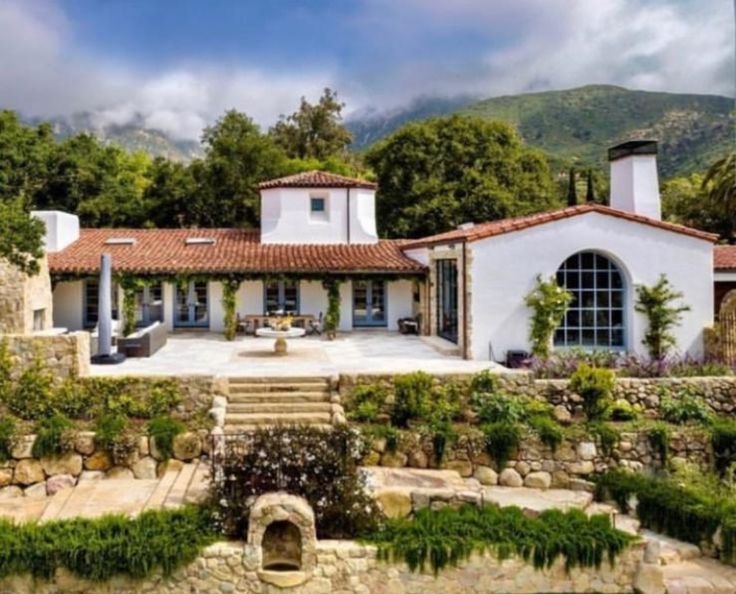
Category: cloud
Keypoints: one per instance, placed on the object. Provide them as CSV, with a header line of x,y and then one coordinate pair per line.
x,y
396,51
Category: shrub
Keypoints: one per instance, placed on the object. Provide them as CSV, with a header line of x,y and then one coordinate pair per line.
x,y
98,549
723,440
548,431
73,400
163,430
656,303
449,536
594,386
30,399
498,408
501,441
114,434
549,303
685,408
390,434
8,437
411,393
439,425
659,438
622,410
484,382
6,369
54,436
606,435
319,465
366,402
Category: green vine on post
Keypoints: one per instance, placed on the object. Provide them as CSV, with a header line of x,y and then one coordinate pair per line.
x,y
332,318
229,298
549,303
656,303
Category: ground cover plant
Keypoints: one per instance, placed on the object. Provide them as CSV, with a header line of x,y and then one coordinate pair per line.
x,y
438,539
319,465
686,508
99,549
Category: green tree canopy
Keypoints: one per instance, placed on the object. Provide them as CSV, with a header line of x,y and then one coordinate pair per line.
x,y
238,157
434,175
314,131
720,187
21,236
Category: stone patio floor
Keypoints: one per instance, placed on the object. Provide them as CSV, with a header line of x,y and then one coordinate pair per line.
x,y
355,352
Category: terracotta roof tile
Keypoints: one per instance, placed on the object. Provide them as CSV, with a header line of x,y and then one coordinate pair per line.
x,y
317,179
725,257
164,251
492,228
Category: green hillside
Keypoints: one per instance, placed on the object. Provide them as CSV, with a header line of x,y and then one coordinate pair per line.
x,y
580,124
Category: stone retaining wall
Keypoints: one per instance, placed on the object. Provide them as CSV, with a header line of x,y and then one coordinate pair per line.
x,y
718,392
345,567
62,354
25,476
536,465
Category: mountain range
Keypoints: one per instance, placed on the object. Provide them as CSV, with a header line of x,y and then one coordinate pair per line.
x,y
570,126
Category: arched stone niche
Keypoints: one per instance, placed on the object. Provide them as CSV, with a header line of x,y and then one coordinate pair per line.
x,y
282,531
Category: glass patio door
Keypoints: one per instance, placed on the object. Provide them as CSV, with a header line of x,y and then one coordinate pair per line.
x,y
447,299
369,303
191,308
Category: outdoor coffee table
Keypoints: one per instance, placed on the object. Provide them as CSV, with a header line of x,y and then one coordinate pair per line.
x,y
279,347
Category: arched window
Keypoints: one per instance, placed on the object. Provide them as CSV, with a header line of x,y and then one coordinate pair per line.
x,y
596,315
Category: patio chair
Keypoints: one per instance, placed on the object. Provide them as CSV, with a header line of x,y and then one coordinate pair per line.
x,y
315,326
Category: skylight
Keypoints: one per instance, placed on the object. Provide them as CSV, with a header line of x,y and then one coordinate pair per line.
x,y
199,241
120,241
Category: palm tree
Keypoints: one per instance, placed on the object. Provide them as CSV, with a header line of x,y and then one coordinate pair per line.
x,y
720,186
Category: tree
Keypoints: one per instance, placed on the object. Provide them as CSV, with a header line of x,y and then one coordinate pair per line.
x,y
590,188
720,186
572,195
657,304
238,157
21,236
172,195
314,131
436,174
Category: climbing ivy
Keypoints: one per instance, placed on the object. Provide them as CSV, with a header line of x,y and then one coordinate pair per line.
x,y
229,301
549,303
657,304
332,318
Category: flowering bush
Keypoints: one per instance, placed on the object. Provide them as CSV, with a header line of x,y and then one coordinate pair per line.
x,y
320,465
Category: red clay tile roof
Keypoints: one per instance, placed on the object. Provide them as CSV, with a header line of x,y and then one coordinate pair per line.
x,y
483,230
164,251
725,257
317,179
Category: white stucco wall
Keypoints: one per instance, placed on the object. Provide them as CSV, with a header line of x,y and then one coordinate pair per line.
x,y
421,255
286,217
400,301
168,297
68,304
346,306
312,298
216,312
504,269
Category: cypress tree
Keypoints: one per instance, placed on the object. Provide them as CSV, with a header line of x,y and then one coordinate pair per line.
x,y
572,196
590,193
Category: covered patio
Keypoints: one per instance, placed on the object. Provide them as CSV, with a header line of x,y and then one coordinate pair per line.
x,y
369,351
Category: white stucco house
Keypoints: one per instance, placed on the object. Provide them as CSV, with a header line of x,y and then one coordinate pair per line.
x,y
466,286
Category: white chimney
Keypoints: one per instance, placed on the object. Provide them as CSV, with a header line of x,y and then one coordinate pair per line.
x,y
62,228
634,181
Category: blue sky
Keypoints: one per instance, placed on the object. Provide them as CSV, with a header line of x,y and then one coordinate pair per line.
x,y
178,64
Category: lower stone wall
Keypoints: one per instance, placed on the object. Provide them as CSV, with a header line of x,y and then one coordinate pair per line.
x,y
345,567
25,476
573,462
62,354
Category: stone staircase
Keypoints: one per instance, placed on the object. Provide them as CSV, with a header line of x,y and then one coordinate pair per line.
x,y
268,401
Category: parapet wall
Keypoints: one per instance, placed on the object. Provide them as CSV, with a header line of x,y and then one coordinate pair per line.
x,y
346,567
62,354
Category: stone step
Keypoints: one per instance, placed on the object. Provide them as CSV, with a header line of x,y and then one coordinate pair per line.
x,y
165,483
308,379
246,428
671,551
278,418
279,390
177,495
279,397
699,576
277,407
